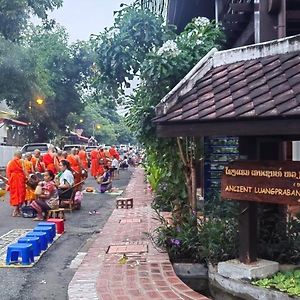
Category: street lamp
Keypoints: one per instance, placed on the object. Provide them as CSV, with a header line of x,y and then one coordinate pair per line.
x,y
39,101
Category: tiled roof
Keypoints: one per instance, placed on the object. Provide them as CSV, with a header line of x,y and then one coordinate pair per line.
x,y
255,88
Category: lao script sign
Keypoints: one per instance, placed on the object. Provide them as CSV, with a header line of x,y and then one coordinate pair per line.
x,y
262,181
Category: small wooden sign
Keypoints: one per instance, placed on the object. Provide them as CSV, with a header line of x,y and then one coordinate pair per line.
x,y
276,182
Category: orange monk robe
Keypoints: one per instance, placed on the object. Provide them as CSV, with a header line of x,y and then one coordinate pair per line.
x,y
94,155
75,166
28,167
38,165
16,181
48,160
29,196
107,154
83,159
114,153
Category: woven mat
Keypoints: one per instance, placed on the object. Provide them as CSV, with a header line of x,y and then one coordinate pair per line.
x,y
94,192
12,237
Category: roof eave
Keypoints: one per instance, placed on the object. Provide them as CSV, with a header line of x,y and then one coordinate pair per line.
x,y
198,71
215,58
231,127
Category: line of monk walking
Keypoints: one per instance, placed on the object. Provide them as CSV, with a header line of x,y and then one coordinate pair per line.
x,y
19,171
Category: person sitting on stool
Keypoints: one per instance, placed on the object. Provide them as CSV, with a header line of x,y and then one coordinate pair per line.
x,y
106,181
65,180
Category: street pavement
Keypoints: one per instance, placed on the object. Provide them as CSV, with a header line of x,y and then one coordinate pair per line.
x,y
50,277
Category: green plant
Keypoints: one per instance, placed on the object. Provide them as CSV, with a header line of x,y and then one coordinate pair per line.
x,y
140,44
280,243
287,282
195,239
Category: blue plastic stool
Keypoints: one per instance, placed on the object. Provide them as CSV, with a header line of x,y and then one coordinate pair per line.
x,y
42,236
35,241
47,229
49,224
24,250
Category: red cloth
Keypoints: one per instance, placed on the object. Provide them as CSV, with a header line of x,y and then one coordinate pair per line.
x,y
16,181
48,160
114,153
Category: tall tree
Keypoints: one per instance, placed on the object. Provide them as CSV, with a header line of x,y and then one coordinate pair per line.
x,y
44,66
14,14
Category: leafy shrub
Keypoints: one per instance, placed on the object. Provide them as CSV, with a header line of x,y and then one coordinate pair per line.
x,y
199,240
287,282
282,242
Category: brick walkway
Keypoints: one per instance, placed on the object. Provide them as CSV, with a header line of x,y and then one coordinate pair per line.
x,y
144,274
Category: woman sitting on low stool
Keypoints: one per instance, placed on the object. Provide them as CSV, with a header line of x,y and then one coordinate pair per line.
x,y
105,180
47,197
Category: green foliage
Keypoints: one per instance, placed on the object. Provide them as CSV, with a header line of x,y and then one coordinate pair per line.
x,y
280,243
100,119
215,207
60,70
18,73
140,44
122,48
154,174
287,282
14,14
199,240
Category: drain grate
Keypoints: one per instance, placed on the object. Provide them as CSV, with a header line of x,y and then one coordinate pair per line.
x,y
127,249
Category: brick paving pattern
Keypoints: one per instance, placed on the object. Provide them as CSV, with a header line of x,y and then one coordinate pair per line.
x,y
144,273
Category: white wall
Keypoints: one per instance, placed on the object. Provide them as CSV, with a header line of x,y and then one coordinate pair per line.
x,y
6,154
296,150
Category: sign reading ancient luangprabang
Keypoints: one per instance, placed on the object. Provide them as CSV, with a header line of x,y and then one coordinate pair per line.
x,y
262,181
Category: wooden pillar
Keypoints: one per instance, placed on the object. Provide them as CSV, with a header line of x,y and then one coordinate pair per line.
x,y
248,210
248,232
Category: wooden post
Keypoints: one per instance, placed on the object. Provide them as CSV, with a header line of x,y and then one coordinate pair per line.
x,y
248,232
248,210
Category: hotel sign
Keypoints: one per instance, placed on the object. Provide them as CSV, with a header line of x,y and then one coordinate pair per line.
x,y
262,181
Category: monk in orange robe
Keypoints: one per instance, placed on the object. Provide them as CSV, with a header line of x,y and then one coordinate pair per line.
x,y
16,182
75,165
95,158
83,157
114,153
28,166
37,161
48,160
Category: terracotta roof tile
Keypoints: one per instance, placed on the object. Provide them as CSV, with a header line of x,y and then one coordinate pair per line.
x,y
257,88
293,80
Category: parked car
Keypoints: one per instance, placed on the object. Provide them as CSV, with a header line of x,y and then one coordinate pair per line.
x,y
43,147
71,146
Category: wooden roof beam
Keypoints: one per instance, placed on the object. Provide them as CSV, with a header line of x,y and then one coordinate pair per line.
x,y
254,127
